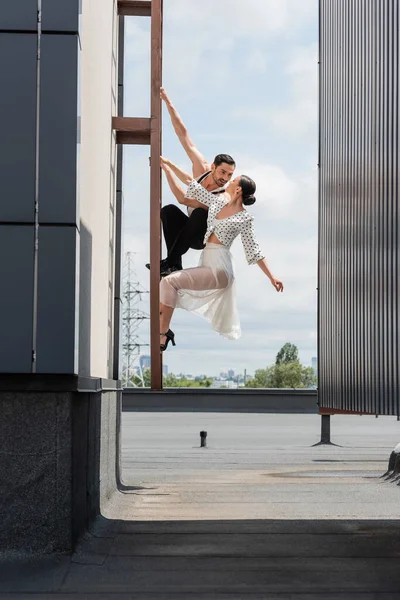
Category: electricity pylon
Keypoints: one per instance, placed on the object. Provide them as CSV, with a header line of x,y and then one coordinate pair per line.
x,y
132,317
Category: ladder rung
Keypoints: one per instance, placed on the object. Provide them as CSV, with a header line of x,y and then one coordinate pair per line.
x,y
134,8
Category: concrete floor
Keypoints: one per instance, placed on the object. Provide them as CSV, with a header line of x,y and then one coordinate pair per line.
x,y
259,514
258,467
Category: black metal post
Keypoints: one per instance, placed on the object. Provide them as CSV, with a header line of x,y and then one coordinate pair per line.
x,y
325,429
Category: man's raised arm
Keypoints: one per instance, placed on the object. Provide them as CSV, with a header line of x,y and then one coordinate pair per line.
x,y
199,163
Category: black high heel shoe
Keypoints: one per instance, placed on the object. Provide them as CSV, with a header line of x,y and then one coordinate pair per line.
x,y
170,336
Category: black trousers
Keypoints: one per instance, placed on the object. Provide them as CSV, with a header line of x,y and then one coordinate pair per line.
x,y
182,232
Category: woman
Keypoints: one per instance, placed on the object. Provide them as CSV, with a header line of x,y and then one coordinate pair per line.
x,y
209,289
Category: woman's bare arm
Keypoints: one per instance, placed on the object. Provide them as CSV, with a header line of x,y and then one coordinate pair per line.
x,y
199,163
278,285
177,190
184,177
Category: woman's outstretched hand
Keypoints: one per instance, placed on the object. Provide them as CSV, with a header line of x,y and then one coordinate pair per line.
x,y
278,285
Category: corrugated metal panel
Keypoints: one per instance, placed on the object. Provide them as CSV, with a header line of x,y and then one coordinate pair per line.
x,y
358,206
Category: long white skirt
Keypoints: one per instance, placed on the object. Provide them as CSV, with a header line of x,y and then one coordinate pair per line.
x,y
207,290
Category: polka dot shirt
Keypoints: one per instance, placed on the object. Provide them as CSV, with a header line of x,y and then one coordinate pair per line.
x,y
227,229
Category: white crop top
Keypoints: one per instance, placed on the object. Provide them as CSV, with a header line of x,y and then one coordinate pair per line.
x,y
200,180
227,229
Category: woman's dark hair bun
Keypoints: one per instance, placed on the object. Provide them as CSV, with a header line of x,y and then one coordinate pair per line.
x,y
249,200
248,188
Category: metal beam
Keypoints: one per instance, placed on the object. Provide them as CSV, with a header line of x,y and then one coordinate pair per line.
x,y
324,411
155,192
132,130
134,8
242,400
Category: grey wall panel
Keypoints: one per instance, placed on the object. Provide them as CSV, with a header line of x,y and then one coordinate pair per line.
x,y
359,335
18,15
58,129
57,300
85,299
17,126
60,15
16,298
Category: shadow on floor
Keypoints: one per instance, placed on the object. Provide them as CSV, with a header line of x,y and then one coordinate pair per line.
x,y
215,560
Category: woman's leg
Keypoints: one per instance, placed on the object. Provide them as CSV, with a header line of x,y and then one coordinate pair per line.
x,y
197,278
166,313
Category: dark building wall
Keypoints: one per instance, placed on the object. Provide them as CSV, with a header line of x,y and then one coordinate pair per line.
x,y
358,204
59,460
39,225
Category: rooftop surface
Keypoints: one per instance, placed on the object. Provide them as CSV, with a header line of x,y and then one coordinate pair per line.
x,y
260,513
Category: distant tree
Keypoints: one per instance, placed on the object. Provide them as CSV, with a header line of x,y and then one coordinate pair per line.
x,y
147,378
308,377
285,375
288,375
170,380
287,354
263,378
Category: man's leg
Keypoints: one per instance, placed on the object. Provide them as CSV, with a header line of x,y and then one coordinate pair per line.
x,y
190,236
173,221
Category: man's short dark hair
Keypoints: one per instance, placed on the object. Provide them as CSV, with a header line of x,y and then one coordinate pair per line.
x,y
224,158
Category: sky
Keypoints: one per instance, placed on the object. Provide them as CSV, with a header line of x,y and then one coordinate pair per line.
x,y
245,83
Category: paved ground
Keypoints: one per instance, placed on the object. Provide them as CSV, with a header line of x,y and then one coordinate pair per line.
x,y
258,467
259,514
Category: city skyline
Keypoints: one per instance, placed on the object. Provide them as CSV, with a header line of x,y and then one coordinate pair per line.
x,y
144,360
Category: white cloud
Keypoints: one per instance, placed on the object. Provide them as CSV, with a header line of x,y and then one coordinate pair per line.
x,y
256,62
276,191
204,35
255,18
299,115
202,38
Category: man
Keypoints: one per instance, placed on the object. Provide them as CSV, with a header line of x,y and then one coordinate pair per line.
x,y
181,231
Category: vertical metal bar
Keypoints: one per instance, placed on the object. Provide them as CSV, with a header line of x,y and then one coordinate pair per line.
x,y
347,194
319,332
368,165
118,250
335,215
36,199
155,192
396,290
118,204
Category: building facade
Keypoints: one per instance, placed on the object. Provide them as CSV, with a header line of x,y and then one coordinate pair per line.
x,y
59,389
359,207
